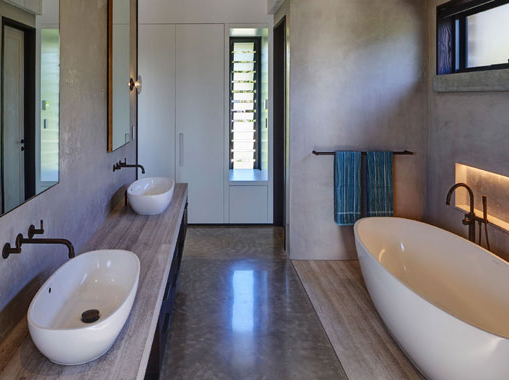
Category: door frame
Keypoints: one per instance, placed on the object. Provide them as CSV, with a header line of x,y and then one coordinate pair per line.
x,y
280,135
29,106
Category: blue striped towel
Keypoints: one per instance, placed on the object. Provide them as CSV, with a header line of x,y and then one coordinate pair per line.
x,y
347,187
379,183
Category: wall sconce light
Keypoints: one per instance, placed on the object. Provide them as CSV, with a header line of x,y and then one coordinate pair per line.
x,y
132,84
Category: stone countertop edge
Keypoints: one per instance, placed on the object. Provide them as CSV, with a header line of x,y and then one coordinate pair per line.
x,y
153,239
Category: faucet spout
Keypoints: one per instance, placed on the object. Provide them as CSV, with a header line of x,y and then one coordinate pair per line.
x,y
470,194
20,240
470,218
65,242
123,164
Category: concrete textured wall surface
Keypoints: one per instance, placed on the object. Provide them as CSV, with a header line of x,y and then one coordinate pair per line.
x,y
274,5
31,6
471,128
358,81
78,205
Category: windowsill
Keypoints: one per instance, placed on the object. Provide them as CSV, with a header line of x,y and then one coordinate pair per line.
x,y
475,81
248,177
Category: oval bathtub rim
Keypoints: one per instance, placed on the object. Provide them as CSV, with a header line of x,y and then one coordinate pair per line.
x,y
357,239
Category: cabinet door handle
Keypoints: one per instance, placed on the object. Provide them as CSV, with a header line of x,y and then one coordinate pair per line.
x,y
181,149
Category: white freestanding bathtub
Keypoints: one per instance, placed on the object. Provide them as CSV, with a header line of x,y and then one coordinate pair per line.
x,y
444,299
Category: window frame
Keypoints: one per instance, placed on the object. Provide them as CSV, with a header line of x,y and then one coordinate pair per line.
x,y
258,97
452,40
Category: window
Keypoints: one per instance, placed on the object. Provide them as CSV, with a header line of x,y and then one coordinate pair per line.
x,y
245,107
472,35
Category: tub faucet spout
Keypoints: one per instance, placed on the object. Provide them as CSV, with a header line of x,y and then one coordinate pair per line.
x,y
470,218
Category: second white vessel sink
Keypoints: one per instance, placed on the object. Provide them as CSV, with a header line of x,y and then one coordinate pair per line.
x,y
77,314
150,196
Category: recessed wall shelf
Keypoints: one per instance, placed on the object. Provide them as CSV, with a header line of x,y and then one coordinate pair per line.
x,y
482,182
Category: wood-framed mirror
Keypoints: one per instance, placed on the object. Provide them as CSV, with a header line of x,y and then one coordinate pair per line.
x,y
122,71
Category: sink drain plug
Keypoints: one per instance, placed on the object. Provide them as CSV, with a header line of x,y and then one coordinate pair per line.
x,y
90,316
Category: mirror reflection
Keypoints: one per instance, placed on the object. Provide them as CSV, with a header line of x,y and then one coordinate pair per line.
x,y
119,74
30,99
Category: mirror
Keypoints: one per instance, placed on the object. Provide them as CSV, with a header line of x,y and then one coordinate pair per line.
x,y
120,82
30,100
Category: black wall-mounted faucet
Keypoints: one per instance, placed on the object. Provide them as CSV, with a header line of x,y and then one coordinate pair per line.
x,y
32,231
119,165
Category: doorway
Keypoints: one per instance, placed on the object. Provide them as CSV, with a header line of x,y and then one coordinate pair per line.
x,y
18,114
14,124
280,137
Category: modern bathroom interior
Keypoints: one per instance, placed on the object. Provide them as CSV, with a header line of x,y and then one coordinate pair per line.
x,y
254,189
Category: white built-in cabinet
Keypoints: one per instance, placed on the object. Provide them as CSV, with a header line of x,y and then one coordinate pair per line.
x,y
183,120
200,119
156,103
181,111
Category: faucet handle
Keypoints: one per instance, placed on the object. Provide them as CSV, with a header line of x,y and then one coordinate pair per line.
x,y
35,231
469,218
8,250
485,208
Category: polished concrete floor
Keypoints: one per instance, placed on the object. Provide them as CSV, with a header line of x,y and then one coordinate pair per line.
x,y
242,313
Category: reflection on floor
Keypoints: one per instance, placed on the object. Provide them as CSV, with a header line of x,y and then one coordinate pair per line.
x,y
357,333
242,313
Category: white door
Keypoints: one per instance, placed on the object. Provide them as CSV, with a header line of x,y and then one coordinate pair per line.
x,y
200,87
13,87
156,125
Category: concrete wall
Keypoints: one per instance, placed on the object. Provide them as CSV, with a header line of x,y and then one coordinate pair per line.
x,y
31,6
77,206
274,5
358,81
471,128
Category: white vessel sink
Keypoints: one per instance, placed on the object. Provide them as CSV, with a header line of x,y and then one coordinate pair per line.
x,y
106,281
150,196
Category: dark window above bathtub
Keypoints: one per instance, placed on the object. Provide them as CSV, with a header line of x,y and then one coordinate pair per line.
x,y
472,36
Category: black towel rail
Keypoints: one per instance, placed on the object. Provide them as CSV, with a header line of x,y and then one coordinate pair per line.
x,y
403,153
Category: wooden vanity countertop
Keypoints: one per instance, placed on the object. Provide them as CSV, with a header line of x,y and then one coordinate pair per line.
x,y
154,240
